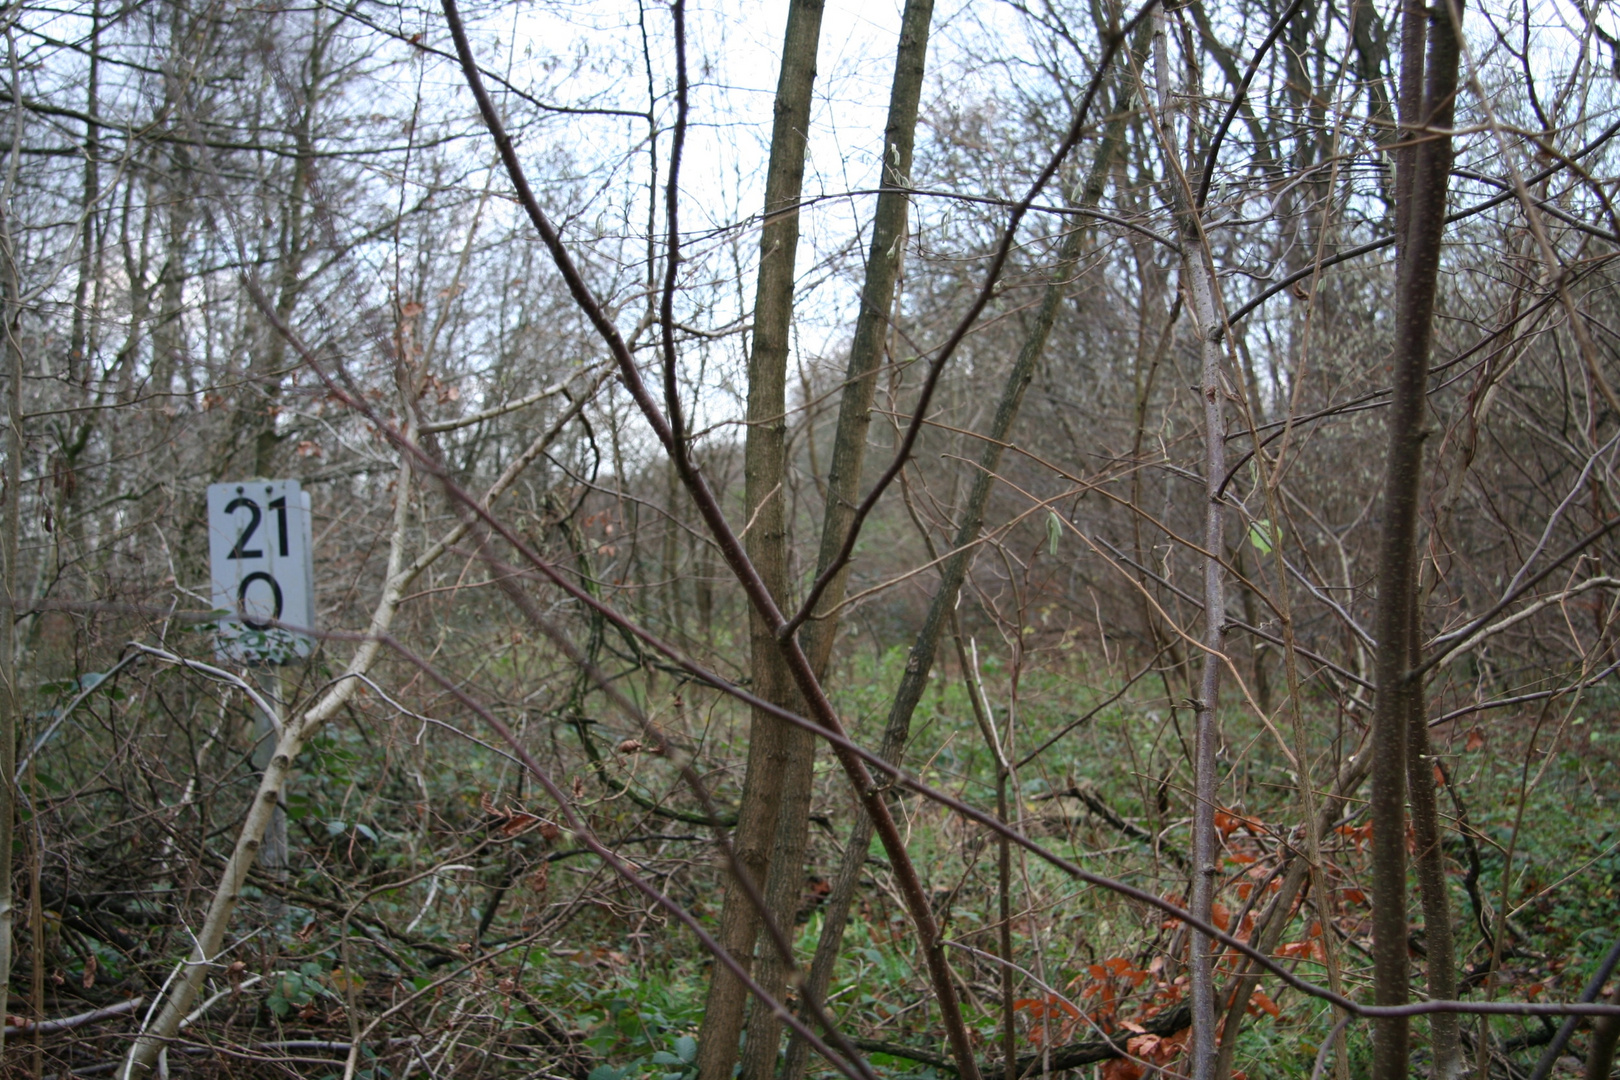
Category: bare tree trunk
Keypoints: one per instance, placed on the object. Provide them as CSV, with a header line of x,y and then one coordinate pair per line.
x,y
273,850
167,333
266,370
1370,38
920,660
1207,737
785,886
1439,942
764,474
10,528
168,327
10,579
1004,916
1198,280
1423,172
887,252
79,337
1605,1035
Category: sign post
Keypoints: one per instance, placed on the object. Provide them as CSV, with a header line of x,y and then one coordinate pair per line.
x,y
260,543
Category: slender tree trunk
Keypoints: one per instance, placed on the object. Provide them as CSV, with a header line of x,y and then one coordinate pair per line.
x,y
1439,942
167,334
1207,737
273,359
785,886
10,579
79,336
674,611
889,230
920,660
168,327
11,573
980,705
1422,174
763,479
1370,38
1198,283
1605,1035
134,241
266,371
273,849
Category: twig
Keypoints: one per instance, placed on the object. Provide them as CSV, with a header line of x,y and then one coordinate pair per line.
x,y
45,1027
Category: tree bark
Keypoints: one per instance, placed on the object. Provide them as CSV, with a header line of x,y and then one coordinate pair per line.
x,y
1439,942
10,529
1423,170
764,474
785,885
265,371
79,336
1370,38
10,579
920,660
1198,284
1605,1034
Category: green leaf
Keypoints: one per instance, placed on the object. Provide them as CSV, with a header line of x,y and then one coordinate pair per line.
x,y
664,1057
1264,535
1054,531
686,1047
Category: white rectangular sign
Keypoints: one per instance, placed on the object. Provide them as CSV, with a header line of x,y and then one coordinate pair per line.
x,y
259,541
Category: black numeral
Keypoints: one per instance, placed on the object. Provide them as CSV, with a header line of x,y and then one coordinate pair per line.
x,y
239,552
280,507
241,599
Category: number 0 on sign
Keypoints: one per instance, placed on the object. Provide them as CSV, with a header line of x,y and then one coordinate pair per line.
x,y
259,542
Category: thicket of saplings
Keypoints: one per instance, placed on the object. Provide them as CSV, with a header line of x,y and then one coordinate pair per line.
x,y
432,889
285,249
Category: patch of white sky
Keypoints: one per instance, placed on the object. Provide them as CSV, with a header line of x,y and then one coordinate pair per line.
x,y
984,54
591,52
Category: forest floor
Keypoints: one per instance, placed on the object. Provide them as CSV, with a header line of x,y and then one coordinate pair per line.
x,y
385,937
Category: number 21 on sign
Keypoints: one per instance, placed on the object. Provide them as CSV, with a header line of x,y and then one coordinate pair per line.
x,y
259,541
